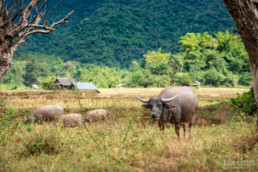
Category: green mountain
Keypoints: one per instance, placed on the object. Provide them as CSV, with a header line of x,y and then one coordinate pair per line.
x,y
115,32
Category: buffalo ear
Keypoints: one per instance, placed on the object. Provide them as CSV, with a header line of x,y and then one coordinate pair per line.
x,y
169,106
146,105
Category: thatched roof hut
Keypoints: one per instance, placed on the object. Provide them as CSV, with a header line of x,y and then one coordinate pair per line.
x,y
64,83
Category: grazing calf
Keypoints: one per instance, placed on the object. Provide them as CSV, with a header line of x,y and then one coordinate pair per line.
x,y
45,113
174,105
95,115
71,120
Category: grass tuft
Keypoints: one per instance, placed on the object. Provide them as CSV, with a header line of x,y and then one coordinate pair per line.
x,y
45,140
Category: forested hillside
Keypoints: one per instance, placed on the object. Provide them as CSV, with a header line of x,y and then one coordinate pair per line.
x,y
215,60
115,32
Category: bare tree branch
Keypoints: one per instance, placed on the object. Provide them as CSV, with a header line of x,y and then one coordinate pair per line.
x,y
48,29
15,26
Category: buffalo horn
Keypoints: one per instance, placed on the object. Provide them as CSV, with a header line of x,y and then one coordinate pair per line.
x,y
169,99
142,100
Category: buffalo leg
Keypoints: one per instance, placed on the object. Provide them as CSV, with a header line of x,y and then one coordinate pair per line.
x,y
184,127
161,124
190,129
177,128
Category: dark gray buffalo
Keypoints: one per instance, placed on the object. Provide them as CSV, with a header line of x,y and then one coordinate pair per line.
x,y
174,105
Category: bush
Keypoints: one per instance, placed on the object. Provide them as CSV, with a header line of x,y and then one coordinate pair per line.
x,y
231,80
42,141
157,81
213,77
246,79
184,79
245,103
137,79
47,82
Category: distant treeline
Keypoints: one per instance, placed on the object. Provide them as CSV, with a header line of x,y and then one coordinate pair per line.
x,y
116,32
219,60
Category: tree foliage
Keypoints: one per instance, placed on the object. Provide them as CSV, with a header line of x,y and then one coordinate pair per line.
x,y
115,32
245,103
221,62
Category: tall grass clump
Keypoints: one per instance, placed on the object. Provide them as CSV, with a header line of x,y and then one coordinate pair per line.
x,y
43,140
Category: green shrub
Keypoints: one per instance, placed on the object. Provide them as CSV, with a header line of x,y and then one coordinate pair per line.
x,y
246,79
47,82
245,103
213,77
184,79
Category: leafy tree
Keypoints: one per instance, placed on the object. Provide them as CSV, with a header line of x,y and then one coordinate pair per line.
x,y
194,46
197,42
233,51
195,72
157,81
15,76
34,70
47,82
246,79
157,61
184,79
175,64
213,77
231,80
137,79
102,77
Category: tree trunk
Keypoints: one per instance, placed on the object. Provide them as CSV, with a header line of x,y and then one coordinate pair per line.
x,y
5,63
6,55
245,15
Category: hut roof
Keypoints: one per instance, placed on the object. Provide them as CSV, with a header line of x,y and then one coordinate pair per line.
x,y
121,85
196,83
34,86
87,86
63,81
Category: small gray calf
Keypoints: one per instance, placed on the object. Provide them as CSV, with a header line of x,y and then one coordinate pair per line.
x,y
71,120
95,115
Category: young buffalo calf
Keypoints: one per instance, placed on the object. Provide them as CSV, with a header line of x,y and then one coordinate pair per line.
x,y
71,120
95,115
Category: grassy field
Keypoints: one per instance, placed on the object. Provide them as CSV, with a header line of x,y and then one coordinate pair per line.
x,y
128,140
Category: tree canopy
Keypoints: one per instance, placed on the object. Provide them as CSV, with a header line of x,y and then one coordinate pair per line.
x,y
115,32
215,60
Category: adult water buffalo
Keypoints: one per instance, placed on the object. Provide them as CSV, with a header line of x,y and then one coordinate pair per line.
x,y
174,105
45,113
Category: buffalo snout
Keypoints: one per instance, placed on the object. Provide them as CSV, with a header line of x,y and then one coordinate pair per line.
x,y
154,115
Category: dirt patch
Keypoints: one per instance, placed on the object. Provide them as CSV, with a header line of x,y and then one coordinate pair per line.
x,y
221,112
214,114
203,121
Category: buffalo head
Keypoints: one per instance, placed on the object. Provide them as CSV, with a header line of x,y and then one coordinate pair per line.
x,y
157,105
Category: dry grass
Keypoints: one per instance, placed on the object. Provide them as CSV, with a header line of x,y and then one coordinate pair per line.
x,y
213,92
124,142
125,145
118,97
